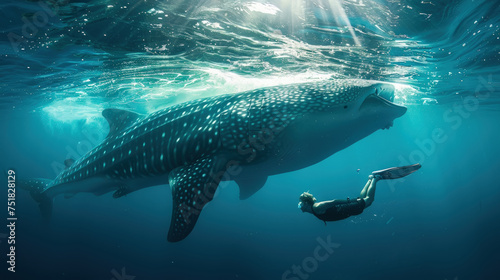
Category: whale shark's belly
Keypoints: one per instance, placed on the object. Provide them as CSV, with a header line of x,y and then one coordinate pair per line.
x,y
303,143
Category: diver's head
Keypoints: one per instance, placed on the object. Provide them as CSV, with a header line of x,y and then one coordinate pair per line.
x,y
306,201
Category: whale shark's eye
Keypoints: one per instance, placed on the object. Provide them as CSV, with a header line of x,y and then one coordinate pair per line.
x,y
345,107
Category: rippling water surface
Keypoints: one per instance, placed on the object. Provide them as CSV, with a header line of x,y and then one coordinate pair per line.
x,y
85,55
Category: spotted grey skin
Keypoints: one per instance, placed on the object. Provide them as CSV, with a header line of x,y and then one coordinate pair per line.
x,y
243,137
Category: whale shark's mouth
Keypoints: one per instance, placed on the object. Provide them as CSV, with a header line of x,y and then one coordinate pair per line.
x,y
385,94
380,99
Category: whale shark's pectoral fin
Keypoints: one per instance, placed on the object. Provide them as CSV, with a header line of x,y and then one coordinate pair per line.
x,y
249,184
193,186
119,119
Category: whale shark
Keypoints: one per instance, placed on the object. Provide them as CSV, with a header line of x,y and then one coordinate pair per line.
x,y
244,137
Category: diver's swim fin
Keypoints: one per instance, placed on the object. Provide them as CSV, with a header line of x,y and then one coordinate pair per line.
x,y
397,172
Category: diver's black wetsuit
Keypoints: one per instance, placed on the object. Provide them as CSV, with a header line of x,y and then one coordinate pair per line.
x,y
343,208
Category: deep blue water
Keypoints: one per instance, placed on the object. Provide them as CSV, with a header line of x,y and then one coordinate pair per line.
x,y
83,56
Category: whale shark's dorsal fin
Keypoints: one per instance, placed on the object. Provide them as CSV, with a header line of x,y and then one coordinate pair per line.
x,y
118,119
193,186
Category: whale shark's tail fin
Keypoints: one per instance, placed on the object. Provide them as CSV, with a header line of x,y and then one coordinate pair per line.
x,y
37,188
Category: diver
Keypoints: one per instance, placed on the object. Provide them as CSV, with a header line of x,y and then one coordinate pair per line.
x,y
339,209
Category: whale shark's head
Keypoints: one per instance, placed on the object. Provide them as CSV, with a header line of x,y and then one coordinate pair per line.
x,y
372,102
377,104
347,111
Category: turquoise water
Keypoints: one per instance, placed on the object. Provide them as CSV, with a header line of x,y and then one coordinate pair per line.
x,y
63,62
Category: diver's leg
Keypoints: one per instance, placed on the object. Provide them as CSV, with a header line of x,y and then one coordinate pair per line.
x,y
370,194
365,188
